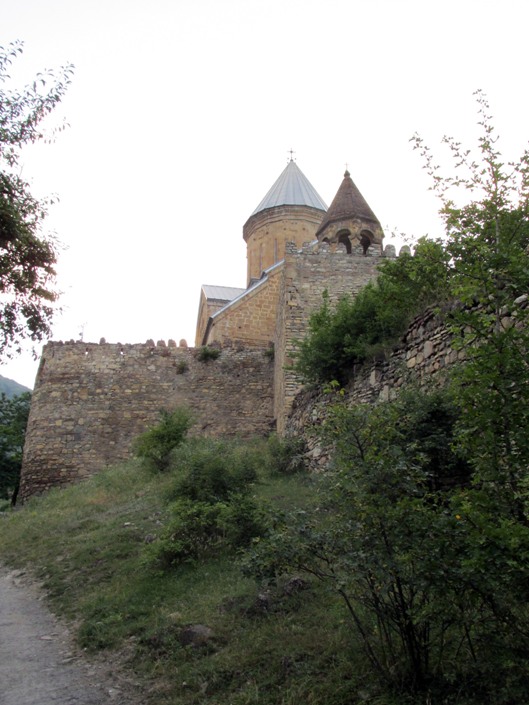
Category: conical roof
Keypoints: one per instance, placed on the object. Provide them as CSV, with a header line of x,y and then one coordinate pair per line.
x,y
348,203
292,188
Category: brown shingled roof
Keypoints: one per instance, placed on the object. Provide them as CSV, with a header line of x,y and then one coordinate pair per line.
x,y
348,203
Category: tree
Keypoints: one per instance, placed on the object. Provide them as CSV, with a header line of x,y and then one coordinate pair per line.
x,y
14,414
488,241
156,445
433,578
27,256
426,537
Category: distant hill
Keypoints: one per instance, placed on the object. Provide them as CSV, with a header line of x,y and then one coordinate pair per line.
x,y
11,388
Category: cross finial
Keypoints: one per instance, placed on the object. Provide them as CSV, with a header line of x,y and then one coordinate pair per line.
x,y
291,152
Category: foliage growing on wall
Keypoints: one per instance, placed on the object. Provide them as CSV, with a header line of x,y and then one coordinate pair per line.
x,y
370,324
207,353
482,263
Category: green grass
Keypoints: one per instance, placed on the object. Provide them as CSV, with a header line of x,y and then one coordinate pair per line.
x,y
87,543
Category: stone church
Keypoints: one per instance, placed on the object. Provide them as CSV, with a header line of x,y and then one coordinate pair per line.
x,y
91,400
291,212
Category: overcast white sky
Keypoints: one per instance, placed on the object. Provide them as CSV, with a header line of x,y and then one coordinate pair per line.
x,y
182,113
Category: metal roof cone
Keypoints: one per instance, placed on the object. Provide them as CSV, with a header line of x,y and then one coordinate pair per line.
x,y
292,188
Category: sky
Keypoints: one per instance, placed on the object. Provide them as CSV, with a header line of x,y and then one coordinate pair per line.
x,y
182,114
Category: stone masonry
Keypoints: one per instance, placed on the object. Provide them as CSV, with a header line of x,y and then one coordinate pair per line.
x,y
423,358
90,401
250,320
307,274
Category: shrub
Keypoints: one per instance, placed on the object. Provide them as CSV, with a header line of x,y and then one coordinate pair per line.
x,y
181,367
190,532
210,508
206,353
196,530
286,455
431,565
155,446
269,353
370,324
210,470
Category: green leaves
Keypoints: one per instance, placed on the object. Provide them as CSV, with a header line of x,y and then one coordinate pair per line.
x,y
426,535
210,508
430,562
14,415
27,258
368,326
156,445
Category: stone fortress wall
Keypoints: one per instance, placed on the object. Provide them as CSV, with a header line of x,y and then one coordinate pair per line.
x,y
425,356
308,273
91,400
422,358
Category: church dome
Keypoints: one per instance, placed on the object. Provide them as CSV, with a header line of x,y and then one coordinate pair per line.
x,y
292,188
291,211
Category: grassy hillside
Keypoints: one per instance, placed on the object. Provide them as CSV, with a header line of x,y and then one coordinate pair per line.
x,y
90,545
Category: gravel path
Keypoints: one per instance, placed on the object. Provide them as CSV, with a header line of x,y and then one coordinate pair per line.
x,y
39,664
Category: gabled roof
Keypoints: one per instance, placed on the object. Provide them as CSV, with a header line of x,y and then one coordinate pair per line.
x,y
292,188
221,293
348,203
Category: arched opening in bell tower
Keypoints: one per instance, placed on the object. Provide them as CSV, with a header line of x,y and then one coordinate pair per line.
x,y
366,238
344,238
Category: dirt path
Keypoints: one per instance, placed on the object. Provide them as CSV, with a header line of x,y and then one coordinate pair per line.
x,y
39,664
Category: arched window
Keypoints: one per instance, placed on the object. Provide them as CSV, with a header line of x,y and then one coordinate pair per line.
x,y
344,239
366,238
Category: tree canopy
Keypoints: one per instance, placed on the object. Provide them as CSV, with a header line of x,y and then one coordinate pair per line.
x,y
27,255
481,263
423,523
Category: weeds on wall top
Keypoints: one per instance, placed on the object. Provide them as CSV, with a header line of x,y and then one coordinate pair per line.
x,y
207,353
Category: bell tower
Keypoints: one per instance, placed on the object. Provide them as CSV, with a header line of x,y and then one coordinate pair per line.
x,y
350,223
